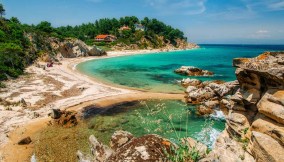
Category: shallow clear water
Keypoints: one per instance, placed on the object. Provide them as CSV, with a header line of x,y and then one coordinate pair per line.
x,y
169,118
155,72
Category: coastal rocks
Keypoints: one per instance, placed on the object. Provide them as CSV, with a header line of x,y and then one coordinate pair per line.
x,y
199,92
268,66
25,141
237,123
146,148
125,147
272,105
53,49
100,151
77,48
191,82
119,138
55,113
269,127
196,96
208,94
193,71
265,148
253,108
207,107
66,119
227,149
183,44
199,147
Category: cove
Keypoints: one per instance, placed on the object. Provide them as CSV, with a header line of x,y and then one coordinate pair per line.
x,y
154,72
171,119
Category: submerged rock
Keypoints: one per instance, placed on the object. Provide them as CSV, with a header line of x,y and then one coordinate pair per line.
x,y
193,71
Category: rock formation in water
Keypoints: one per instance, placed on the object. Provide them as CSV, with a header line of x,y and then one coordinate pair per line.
x,y
193,71
254,112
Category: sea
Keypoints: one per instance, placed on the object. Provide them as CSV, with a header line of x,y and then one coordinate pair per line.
x,y
155,72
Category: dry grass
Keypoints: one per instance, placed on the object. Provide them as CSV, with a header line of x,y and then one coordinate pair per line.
x,y
61,144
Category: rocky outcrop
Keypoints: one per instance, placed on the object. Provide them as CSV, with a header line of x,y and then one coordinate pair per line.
x,y
193,71
208,94
255,112
50,48
253,107
125,147
77,48
66,119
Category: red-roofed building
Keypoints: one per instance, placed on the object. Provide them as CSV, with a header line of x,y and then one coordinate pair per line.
x,y
105,38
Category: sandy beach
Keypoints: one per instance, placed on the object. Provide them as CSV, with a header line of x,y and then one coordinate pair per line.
x,y
59,87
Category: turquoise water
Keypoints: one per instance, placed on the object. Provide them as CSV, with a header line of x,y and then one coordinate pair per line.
x,y
154,72
171,119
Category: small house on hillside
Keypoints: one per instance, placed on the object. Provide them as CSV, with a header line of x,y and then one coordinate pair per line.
x,y
105,38
139,27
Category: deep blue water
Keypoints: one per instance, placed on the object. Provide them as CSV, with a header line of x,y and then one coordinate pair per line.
x,y
154,72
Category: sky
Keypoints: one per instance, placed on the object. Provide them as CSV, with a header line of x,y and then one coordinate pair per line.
x,y
202,21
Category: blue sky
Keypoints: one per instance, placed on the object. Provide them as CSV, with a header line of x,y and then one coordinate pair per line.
x,y
203,21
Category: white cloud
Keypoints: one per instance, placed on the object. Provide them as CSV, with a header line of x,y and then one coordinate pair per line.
x,y
277,6
262,31
185,7
265,5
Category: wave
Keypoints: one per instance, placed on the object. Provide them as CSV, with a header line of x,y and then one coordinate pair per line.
x,y
218,115
208,135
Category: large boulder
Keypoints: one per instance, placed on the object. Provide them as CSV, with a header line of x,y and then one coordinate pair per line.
x,y
227,149
119,138
145,148
200,95
125,147
268,67
66,119
193,71
269,127
237,123
272,105
77,48
191,82
265,148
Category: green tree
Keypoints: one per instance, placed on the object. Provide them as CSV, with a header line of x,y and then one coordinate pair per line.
x,y
45,27
2,10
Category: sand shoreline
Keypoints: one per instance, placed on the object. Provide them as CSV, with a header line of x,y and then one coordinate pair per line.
x,y
61,86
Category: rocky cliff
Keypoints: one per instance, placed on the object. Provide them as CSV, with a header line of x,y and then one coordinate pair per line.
x,y
53,48
254,111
